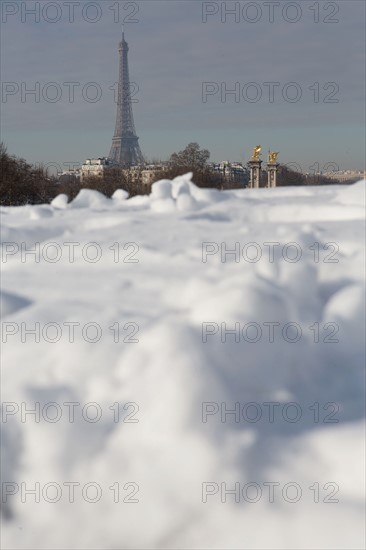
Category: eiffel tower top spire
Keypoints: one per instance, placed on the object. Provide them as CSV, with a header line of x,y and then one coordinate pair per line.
x,y
125,148
123,43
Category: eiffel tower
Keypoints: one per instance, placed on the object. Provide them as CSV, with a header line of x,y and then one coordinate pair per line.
x,y
125,148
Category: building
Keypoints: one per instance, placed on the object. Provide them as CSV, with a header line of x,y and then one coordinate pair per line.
x,y
149,174
145,175
343,176
96,167
69,176
231,172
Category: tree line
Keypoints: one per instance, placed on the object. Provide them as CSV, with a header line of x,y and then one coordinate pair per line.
x,y
22,183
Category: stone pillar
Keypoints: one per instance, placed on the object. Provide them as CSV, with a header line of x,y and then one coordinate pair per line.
x,y
255,173
272,174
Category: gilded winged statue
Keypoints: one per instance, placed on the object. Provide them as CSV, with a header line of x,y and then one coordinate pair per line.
x,y
256,152
272,157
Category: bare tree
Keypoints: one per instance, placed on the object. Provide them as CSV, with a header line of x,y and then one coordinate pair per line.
x,y
21,183
191,159
192,156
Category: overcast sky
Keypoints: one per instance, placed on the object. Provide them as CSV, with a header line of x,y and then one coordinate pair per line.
x,y
172,53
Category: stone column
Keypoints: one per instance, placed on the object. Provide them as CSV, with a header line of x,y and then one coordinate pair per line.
x,y
255,173
272,174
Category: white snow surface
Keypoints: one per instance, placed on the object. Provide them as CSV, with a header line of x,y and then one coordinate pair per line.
x,y
170,372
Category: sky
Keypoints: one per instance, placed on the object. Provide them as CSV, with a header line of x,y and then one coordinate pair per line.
x,y
296,71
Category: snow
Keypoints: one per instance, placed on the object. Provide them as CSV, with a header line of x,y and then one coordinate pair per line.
x,y
60,201
87,198
120,195
166,285
11,302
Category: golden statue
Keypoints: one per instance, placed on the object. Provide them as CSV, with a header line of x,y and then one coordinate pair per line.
x,y
256,152
272,157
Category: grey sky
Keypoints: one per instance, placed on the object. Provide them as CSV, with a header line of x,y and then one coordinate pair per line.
x,y
172,52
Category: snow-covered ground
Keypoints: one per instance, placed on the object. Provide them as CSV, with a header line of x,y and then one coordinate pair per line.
x,y
132,444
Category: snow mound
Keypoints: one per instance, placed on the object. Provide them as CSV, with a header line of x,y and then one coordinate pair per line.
x,y
353,194
89,198
60,201
181,194
120,195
